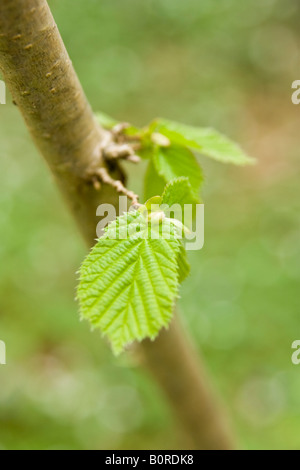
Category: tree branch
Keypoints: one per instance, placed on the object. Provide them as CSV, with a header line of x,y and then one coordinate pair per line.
x,y
44,85
40,76
178,369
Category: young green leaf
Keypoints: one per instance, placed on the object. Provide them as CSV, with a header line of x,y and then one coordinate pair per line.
x,y
129,281
178,191
179,201
154,184
176,161
153,203
205,140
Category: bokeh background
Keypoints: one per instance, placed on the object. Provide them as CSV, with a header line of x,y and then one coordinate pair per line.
x,y
221,63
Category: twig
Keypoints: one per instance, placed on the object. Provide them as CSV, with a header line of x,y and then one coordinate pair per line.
x,y
105,177
116,145
116,151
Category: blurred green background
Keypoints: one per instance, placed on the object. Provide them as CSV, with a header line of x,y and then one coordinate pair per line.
x,y
222,63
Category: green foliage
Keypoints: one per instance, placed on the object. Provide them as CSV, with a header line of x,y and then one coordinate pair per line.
x,y
176,161
178,191
177,194
153,204
169,146
154,184
205,141
129,282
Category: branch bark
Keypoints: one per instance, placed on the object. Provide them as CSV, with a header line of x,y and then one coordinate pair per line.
x,y
44,85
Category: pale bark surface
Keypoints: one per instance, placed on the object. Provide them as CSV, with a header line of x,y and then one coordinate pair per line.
x,y
44,85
